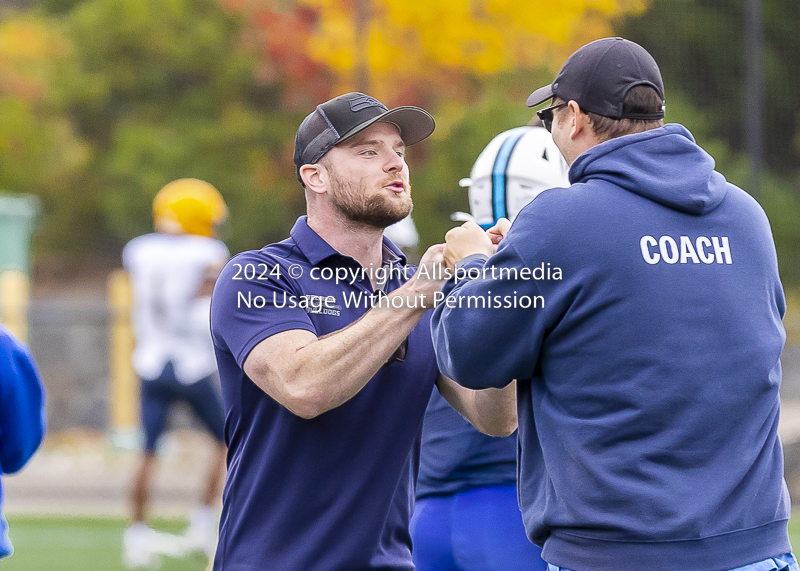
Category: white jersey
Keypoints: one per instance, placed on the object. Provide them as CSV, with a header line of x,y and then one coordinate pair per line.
x,y
403,234
170,320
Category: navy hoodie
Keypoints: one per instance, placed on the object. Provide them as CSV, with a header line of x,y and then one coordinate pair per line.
x,y
648,365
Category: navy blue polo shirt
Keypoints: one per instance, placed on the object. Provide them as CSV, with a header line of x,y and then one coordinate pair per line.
x,y
333,492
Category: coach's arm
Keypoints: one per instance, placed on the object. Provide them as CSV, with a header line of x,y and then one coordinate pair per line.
x,y
310,375
492,411
484,347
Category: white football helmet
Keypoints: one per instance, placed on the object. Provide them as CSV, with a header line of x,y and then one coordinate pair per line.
x,y
514,167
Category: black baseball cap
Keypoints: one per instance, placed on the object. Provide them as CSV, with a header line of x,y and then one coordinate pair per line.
x,y
342,117
599,75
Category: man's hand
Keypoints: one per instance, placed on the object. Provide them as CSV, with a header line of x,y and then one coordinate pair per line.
x,y
465,240
499,231
428,279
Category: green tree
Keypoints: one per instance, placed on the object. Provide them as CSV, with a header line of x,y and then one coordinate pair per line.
x,y
40,152
167,92
699,46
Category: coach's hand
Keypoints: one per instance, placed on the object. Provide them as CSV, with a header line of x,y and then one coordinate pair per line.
x,y
465,240
499,231
428,279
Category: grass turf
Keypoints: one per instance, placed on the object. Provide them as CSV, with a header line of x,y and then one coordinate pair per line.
x,y
80,544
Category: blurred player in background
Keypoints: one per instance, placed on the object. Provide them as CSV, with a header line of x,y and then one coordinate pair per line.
x,y
403,234
466,517
512,170
22,414
172,274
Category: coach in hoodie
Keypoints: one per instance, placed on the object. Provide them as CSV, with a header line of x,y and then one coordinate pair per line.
x,y
648,364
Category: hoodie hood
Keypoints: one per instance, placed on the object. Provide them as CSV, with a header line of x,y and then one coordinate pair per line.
x,y
664,165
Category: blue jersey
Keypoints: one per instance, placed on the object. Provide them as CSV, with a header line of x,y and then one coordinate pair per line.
x,y
333,492
22,414
456,457
643,326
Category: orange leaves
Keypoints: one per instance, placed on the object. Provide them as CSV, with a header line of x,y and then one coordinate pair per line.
x,y
28,52
281,36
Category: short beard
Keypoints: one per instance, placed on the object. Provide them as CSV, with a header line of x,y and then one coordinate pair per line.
x,y
376,211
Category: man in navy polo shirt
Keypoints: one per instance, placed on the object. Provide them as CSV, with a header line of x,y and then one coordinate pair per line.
x,y
326,361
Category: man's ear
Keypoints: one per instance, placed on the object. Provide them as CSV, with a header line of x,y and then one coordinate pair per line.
x,y
578,120
315,178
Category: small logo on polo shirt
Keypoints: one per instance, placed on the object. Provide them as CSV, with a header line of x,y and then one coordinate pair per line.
x,y
312,304
320,305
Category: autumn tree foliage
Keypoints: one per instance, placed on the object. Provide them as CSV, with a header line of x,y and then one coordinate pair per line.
x,y
40,151
280,32
104,101
411,50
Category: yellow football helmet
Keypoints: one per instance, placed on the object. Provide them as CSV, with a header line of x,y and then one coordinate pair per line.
x,y
193,205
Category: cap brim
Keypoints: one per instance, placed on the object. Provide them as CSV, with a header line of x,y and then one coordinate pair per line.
x,y
540,96
415,124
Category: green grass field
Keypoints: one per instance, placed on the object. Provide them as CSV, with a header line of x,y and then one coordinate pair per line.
x,y
81,544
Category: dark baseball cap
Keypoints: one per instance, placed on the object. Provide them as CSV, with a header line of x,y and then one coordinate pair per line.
x,y
599,75
342,117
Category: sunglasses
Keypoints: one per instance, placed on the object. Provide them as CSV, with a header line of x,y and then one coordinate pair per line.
x,y
546,115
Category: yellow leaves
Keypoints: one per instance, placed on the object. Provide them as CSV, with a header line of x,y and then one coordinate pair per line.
x,y
29,51
415,40
334,38
35,145
23,39
29,40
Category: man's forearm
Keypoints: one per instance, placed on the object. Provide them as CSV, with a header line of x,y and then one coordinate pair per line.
x,y
496,410
310,376
492,411
338,365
